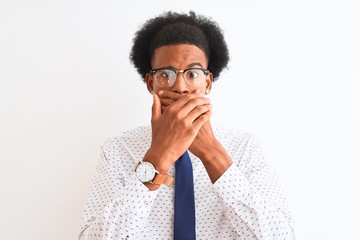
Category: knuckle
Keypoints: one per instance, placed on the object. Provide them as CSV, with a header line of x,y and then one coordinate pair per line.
x,y
177,116
189,97
190,131
202,109
198,101
194,101
170,109
184,125
198,110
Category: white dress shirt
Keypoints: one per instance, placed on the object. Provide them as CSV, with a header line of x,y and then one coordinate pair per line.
x,y
246,202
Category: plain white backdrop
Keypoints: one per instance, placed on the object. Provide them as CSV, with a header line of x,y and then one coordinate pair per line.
x,y
66,84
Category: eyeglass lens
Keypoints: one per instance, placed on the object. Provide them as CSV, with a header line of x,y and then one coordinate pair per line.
x,y
167,77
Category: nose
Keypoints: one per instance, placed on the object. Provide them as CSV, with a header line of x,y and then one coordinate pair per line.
x,y
180,86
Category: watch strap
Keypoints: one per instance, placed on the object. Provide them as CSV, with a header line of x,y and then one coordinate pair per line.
x,y
162,179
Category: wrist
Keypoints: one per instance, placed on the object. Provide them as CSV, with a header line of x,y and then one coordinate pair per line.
x,y
161,161
151,186
209,151
216,155
216,162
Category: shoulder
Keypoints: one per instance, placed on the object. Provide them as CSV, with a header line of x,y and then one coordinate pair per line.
x,y
138,134
234,135
239,144
131,143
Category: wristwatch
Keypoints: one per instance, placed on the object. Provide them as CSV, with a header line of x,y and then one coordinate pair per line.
x,y
146,172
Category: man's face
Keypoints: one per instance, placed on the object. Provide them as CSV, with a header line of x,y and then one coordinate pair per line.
x,y
179,57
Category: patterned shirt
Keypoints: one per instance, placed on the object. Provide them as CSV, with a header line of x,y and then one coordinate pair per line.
x,y
246,202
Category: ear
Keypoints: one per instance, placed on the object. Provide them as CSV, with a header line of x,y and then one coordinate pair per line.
x,y
149,82
209,81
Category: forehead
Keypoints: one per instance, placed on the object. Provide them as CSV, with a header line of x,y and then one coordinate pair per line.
x,y
178,56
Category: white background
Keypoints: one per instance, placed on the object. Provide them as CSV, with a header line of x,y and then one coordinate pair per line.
x,y
66,84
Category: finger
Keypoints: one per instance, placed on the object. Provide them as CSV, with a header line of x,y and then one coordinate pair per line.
x,y
194,103
166,102
184,111
156,108
198,111
170,95
167,98
201,120
179,105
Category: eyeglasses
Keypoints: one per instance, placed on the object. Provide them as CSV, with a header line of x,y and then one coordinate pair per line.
x,y
166,77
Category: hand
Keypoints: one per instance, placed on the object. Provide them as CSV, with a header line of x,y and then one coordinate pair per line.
x,y
167,98
205,145
175,127
204,142
201,143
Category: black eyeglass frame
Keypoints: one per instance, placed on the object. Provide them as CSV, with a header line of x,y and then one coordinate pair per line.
x,y
153,71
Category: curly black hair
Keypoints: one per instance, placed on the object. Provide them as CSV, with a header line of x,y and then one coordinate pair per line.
x,y
171,28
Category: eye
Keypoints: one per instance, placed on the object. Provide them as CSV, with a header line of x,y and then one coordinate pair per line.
x,y
166,74
165,77
191,74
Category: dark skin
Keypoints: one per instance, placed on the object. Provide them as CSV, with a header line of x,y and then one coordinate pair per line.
x,y
181,115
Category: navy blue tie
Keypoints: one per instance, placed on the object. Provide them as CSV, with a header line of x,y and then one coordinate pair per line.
x,y
184,223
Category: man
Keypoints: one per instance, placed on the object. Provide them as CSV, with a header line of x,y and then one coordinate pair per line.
x,y
235,193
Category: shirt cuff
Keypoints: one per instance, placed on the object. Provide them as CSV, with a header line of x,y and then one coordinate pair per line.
x,y
135,192
232,185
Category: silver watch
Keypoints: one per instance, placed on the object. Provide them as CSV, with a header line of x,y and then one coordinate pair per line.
x,y
145,171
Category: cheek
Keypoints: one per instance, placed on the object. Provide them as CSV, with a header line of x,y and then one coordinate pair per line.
x,y
156,88
202,88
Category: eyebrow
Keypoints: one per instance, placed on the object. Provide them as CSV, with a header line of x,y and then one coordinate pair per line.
x,y
195,64
189,66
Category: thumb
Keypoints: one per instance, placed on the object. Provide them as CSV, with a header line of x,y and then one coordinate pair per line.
x,y
156,108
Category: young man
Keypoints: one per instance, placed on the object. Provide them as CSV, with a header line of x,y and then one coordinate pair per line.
x,y
232,194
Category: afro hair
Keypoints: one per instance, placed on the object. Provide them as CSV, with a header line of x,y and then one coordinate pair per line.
x,y
170,28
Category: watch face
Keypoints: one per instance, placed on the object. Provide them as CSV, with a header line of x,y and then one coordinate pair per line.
x,y
145,171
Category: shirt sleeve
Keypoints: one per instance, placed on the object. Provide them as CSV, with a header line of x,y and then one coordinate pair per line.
x,y
252,196
117,207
